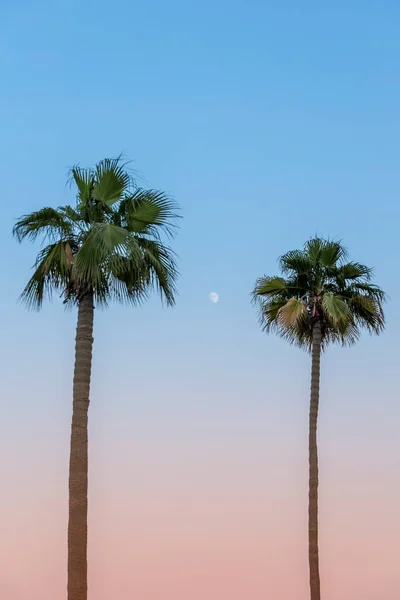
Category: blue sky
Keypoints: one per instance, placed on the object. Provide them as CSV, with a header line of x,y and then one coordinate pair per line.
x,y
268,123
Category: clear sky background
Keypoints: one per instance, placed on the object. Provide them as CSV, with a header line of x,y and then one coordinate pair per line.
x,y
268,122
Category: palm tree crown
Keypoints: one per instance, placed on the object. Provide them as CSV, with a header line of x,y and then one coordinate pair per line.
x,y
110,243
318,285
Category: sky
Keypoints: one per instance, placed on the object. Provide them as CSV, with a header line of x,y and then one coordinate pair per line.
x,y
268,122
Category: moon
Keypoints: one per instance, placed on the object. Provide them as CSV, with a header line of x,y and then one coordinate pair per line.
x,y
213,297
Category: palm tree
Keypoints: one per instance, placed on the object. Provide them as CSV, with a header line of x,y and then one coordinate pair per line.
x,y
320,299
108,247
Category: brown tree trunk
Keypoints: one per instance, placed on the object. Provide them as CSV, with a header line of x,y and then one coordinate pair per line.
x,y
313,558
78,465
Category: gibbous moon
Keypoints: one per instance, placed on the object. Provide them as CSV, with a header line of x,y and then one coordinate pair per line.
x,y
213,297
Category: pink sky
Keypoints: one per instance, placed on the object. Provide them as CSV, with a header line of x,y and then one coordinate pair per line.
x,y
227,521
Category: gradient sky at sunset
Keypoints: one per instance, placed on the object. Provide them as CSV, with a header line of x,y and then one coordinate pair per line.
x,y
268,122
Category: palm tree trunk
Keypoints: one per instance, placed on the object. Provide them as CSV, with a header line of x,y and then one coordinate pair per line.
x,y
313,558
78,466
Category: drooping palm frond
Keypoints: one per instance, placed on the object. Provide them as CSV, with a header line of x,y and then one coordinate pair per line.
x,y
128,282
268,314
367,312
160,264
47,222
320,285
52,272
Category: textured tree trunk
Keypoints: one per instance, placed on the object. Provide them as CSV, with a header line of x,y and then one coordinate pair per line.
x,y
78,466
313,558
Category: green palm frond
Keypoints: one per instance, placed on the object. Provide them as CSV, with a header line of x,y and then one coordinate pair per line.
x,y
330,253
134,295
129,282
160,263
354,271
103,241
313,248
327,253
52,271
270,286
149,212
70,214
112,181
47,222
268,313
335,309
295,261
366,289
84,180
367,312
298,285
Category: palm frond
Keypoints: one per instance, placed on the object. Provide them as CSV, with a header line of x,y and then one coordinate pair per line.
x,y
70,214
148,212
367,312
293,314
160,263
330,253
366,289
268,312
295,262
123,294
103,241
84,181
353,271
345,334
48,222
128,282
269,286
112,181
52,271
336,310
325,252
313,248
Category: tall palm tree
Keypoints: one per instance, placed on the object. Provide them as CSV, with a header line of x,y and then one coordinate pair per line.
x,y
108,247
320,299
